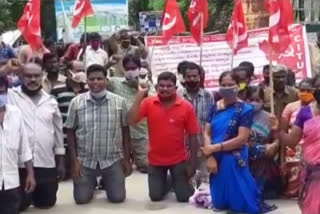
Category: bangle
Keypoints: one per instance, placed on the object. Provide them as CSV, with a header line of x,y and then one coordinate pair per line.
x,y
221,147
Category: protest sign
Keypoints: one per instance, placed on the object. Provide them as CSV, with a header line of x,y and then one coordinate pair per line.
x,y
217,54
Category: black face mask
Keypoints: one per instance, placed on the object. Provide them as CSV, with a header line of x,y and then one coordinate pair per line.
x,y
316,95
28,92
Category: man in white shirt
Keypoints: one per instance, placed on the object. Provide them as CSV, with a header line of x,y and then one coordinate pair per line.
x,y
43,123
14,147
94,54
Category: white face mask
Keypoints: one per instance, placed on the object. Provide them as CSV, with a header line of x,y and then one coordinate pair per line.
x,y
100,94
132,74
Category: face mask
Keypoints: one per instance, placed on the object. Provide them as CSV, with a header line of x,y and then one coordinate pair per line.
x,y
181,78
3,100
100,94
143,81
305,97
229,93
257,106
316,95
242,86
132,74
125,43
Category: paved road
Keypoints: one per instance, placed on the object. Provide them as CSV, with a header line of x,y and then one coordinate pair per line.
x,y
137,202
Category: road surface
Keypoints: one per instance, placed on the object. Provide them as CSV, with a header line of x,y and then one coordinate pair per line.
x,y
137,202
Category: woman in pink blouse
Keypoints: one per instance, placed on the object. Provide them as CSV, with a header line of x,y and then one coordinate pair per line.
x,y
291,160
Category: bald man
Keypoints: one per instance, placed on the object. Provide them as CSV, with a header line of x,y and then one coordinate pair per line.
x,y
43,123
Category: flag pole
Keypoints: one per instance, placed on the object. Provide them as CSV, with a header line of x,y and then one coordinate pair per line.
x,y
85,43
233,48
271,80
201,37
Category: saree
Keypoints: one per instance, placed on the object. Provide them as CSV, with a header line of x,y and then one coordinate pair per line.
x,y
310,166
233,187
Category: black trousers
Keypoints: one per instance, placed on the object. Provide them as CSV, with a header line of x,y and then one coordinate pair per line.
x,y
45,193
67,160
10,201
158,182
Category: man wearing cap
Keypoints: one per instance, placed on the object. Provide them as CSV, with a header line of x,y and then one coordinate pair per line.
x,y
128,88
64,93
283,94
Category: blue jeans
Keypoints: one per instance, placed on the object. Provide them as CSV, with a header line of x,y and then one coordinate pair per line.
x,y
113,179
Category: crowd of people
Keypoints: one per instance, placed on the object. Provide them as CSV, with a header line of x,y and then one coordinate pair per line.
x,y
87,113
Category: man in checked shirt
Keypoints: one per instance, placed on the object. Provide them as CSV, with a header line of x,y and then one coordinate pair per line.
x,y
98,137
201,101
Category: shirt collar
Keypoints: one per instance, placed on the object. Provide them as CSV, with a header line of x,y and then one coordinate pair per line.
x,y
199,93
44,95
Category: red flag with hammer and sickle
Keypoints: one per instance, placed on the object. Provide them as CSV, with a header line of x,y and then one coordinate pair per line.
x,y
29,24
82,8
197,9
172,22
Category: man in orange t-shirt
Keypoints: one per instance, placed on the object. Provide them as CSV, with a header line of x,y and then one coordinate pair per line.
x,y
170,119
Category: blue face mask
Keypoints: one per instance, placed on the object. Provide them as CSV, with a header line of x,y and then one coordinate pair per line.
x,y
229,93
3,100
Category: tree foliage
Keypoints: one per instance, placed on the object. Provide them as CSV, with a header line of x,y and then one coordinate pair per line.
x,y
11,11
6,21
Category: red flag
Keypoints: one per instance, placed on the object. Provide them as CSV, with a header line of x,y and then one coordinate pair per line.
x,y
29,24
198,7
82,8
237,35
281,16
172,22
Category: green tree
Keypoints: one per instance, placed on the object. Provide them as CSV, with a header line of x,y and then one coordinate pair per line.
x,y
11,11
6,21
